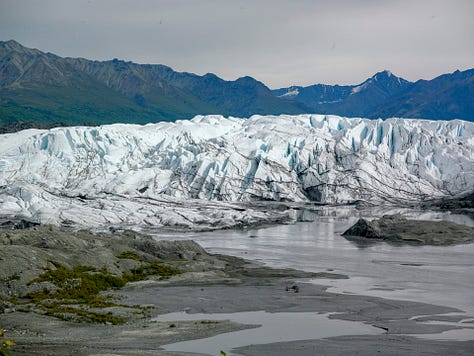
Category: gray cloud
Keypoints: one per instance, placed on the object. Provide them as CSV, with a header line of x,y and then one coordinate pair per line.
x,y
280,42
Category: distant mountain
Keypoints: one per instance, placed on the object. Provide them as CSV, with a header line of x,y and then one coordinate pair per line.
x,y
357,100
39,89
445,97
385,95
50,90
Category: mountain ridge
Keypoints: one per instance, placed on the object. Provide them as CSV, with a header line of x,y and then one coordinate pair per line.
x,y
384,95
41,89
46,88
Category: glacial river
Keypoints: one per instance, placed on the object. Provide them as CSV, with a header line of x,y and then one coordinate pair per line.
x,y
436,275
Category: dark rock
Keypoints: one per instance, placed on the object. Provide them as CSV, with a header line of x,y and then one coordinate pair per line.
x,y
460,205
397,229
294,289
6,307
17,225
143,190
364,228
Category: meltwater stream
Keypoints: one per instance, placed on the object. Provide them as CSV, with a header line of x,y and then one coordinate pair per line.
x,y
441,275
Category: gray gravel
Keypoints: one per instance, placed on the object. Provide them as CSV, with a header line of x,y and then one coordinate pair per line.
x,y
212,283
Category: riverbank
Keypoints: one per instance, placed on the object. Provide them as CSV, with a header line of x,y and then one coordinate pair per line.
x,y
203,283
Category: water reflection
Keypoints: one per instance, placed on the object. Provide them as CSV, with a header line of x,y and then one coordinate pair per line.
x,y
274,327
442,275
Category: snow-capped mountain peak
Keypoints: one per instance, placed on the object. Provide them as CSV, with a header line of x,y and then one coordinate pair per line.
x,y
384,81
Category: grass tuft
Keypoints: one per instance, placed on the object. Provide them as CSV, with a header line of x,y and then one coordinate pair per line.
x,y
129,255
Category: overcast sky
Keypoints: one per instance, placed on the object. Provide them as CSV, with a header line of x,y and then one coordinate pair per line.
x,y
280,42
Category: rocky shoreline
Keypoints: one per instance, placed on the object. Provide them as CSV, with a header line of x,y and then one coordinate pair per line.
x,y
175,276
463,204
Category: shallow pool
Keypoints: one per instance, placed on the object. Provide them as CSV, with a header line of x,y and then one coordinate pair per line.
x,y
275,327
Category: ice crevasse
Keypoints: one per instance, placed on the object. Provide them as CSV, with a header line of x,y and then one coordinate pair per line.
x,y
323,158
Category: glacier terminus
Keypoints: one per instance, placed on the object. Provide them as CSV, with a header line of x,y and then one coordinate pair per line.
x,y
201,172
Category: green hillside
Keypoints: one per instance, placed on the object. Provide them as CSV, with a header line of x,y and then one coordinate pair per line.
x,y
41,90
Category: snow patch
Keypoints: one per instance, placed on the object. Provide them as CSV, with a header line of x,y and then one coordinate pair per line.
x,y
290,93
358,88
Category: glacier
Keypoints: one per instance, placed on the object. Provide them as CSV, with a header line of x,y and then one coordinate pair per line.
x,y
209,171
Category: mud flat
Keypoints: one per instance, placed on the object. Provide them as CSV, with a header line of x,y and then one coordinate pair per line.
x,y
393,345
138,278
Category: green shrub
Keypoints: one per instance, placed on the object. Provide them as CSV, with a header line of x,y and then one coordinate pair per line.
x,y
130,255
81,286
5,344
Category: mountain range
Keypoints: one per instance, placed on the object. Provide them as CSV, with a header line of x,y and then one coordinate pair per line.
x,y
385,95
39,89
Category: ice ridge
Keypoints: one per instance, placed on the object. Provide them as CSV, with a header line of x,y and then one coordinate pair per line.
x,y
322,158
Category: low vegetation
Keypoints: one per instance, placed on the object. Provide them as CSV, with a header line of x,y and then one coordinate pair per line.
x,y
81,288
5,344
129,255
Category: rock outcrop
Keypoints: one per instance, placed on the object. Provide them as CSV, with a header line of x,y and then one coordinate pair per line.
x,y
397,229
